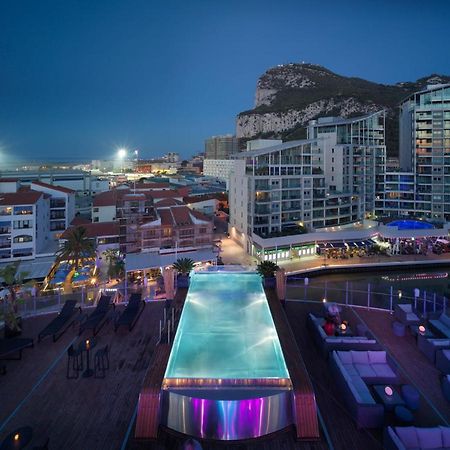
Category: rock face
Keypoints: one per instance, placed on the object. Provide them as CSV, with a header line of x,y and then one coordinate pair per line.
x,y
290,95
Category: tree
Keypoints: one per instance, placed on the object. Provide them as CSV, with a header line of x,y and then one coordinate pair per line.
x,y
116,266
183,265
77,249
11,281
267,269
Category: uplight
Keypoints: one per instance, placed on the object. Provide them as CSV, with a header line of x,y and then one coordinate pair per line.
x,y
388,391
421,329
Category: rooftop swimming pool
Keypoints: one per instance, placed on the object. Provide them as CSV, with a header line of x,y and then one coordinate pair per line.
x,y
226,377
226,331
411,225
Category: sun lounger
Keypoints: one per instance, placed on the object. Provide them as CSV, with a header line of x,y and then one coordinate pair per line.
x,y
61,322
9,347
131,313
96,319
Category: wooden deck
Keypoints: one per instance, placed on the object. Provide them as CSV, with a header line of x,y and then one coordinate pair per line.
x,y
339,425
86,413
416,368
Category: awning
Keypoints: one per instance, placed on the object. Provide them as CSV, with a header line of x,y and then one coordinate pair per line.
x,y
141,261
35,269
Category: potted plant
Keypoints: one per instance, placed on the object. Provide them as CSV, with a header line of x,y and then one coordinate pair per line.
x,y
183,266
267,271
9,310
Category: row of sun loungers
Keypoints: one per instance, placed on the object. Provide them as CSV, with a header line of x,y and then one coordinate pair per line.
x,y
69,314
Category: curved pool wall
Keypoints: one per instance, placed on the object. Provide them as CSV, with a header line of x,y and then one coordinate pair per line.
x,y
226,377
411,225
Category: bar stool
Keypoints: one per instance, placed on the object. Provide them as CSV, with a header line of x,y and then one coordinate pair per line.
x,y
101,362
74,362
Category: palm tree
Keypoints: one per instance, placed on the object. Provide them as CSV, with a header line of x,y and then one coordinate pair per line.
x,y
11,280
116,267
77,249
267,269
183,265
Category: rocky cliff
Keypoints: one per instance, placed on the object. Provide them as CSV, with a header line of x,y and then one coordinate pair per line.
x,y
288,96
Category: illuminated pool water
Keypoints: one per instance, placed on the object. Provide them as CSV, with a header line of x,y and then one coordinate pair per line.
x,y
411,225
226,331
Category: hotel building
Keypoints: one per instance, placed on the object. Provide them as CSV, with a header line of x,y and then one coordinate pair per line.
x,y
281,196
422,186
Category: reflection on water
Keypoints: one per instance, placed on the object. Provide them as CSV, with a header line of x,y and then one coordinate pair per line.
x,y
374,287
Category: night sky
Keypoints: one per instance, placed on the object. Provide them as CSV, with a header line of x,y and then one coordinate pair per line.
x,y
78,79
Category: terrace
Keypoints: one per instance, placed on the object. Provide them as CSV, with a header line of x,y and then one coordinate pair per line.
x,y
100,413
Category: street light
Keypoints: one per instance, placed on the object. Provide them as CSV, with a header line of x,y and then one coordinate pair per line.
x,y
122,153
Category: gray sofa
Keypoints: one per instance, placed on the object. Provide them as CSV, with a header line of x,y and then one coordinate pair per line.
x,y
429,346
353,371
404,313
443,361
327,344
441,325
415,438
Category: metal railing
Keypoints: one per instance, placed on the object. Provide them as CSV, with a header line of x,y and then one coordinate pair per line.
x,y
424,303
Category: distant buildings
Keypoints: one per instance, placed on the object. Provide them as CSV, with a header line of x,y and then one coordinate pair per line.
x,y
221,147
32,218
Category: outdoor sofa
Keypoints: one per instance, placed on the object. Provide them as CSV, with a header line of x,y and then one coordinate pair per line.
x,y
61,322
429,346
441,325
329,343
404,313
443,361
353,371
13,346
415,438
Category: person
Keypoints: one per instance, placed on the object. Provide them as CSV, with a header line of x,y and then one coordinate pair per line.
x,y
329,326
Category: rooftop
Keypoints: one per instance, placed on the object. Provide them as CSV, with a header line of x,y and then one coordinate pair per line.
x,y
53,187
20,198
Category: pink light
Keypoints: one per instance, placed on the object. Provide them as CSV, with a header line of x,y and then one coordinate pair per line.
x,y
388,391
421,329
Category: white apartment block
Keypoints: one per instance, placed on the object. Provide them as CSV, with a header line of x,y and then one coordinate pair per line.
x,y
287,192
219,169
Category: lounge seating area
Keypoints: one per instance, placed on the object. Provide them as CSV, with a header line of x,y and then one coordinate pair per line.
x,y
131,312
97,318
404,438
430,346
441,325
327,344
403,312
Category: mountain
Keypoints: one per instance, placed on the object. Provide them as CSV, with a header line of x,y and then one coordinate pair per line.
x,y
289,95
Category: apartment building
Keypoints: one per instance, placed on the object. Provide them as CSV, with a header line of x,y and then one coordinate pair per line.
x,y
423,183
24,225
287,192
221,147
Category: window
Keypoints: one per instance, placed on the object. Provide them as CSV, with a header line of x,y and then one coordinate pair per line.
x,y
22,238
202,230
5,211
167,232
23,210
21,224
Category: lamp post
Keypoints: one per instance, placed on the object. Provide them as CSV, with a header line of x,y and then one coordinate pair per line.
x,y
121,153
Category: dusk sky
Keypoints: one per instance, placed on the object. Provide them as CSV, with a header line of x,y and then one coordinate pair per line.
x,y
78,79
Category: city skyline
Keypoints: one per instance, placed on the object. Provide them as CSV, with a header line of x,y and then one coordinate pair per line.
x,y
81,80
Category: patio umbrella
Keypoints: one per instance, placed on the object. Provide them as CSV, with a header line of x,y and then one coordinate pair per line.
x,y
280,276
169,283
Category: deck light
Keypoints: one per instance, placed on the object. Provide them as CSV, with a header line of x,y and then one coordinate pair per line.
x,y
324,300
16,436
388,391
421,329
343,327
88,344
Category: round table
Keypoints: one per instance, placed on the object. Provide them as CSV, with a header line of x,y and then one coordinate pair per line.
x,y
403,415
17,439
84,346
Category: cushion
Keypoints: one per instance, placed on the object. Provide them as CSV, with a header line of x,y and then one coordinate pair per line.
x,y
365,371
377,357
359,357
429,437
383,370
445,431
445,320
408,436
351,370
345,357
406,307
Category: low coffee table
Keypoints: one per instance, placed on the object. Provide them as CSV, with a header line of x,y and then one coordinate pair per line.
x,y
389,401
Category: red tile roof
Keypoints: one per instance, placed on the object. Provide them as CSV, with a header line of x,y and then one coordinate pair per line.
x,y
79,221
200,216
8,180
165,194
181,216
201,198
97,229
19,198
166,217
51,186
169,202
108,198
